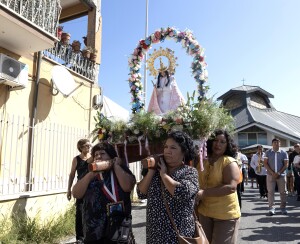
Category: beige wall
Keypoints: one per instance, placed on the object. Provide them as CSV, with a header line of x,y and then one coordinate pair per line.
x,y
74,109
52,157
44,208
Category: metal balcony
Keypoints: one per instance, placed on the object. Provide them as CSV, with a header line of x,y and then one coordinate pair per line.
x,y
64,55
28,26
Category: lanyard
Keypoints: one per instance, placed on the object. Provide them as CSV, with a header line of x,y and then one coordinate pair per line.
x,y
111,195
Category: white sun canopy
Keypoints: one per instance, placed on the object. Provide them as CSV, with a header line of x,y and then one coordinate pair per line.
x,y
112,110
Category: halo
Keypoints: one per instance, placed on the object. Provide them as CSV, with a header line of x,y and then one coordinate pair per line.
x,y
169,54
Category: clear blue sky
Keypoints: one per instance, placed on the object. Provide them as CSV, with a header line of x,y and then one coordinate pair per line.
x,y
258,40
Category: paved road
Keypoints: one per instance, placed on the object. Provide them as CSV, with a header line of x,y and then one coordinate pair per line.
x,y
256,226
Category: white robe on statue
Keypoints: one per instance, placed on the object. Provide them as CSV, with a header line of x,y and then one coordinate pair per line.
x,y
165,98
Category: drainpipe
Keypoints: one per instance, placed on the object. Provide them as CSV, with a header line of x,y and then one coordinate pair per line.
x,y
90,110
32,123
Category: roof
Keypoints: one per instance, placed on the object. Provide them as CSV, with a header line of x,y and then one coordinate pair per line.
x,y
282,122
247,89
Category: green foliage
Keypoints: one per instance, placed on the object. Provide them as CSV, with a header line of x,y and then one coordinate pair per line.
x,y
144,123
201,118
23,229
118,129
197,118
106,129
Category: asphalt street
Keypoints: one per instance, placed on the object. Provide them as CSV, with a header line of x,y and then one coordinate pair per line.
x,y
255,226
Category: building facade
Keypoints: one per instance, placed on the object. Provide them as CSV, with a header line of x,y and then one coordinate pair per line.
x,y
256,119
49,94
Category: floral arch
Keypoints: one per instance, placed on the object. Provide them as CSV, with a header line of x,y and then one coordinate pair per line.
x,y
192,48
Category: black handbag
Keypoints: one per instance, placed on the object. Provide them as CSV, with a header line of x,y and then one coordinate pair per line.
x,y
119,229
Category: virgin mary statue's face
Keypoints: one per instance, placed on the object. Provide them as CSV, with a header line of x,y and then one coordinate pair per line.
x,y
163,73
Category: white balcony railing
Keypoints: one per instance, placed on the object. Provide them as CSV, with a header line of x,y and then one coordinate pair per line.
x,y
41,13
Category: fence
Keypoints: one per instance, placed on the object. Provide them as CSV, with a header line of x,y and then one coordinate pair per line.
x,y
52,148
47,170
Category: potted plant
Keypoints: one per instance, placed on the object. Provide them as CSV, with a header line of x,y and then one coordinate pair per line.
x,y
76,46
65,38
86,52
59,31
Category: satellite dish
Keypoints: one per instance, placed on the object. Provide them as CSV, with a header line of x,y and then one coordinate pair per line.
x,y
63,80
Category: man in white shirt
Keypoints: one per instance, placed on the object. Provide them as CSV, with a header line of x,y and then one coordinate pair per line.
x,y
257,163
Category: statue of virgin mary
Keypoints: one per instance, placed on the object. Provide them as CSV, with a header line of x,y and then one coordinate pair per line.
x,y
166,95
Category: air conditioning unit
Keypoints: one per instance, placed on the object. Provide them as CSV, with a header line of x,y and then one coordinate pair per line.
x,y
12,72
97,101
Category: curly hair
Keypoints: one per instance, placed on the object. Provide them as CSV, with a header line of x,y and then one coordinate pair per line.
x,y
230,143
81,142
186,144
107,147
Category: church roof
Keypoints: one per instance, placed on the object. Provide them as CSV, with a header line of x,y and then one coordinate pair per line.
x,y
269,118
245,89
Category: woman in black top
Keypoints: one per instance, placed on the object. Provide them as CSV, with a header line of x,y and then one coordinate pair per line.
x,y
79,165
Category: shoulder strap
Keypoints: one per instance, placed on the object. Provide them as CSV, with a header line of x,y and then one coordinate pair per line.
x,y
167,207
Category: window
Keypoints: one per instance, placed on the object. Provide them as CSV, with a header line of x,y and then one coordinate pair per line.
x,y
246,139
252,139
243,140
262,138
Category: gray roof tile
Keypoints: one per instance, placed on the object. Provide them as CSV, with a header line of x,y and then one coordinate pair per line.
x,y
280,121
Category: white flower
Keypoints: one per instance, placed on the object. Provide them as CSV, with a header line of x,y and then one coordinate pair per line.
x,y
177,127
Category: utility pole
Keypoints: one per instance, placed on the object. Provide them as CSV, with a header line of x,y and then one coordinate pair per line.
x,y
146,56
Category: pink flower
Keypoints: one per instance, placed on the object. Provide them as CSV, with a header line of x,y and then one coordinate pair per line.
x,y
179,121
157,35
155,40
143,44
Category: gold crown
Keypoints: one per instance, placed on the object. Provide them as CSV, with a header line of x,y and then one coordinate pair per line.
x,y
169,54
161,66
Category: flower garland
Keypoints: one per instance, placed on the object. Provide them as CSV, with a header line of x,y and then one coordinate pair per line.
x,y
192,48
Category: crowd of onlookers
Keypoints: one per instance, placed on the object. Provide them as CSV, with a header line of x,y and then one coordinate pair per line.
x,y
274,170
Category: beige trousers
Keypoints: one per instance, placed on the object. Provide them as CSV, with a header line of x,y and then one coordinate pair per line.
x,y
281,183
220,231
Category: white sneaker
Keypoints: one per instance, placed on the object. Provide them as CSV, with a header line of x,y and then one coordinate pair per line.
x,y
271,211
